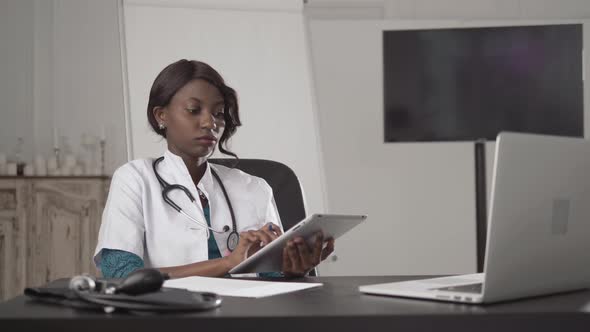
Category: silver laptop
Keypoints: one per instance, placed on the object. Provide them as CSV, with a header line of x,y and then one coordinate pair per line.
x,y
538,239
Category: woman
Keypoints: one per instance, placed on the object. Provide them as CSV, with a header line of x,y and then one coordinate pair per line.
x,y
192,108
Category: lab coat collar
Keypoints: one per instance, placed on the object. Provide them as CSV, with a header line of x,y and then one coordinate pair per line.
x,y
175,162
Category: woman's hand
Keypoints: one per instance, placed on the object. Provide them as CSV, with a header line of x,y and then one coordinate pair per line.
x,y
299,258
267,234
251,241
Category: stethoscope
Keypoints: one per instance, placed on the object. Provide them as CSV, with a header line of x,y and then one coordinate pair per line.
x,y
233,238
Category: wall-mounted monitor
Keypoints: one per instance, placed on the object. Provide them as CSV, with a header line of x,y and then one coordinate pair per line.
x,y
470,83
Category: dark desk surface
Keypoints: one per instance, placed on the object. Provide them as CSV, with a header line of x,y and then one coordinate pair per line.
x,y
337,306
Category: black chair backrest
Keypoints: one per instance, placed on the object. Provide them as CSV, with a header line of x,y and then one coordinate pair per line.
x,y
283,181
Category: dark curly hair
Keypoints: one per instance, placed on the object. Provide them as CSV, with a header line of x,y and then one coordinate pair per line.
x,y
177,75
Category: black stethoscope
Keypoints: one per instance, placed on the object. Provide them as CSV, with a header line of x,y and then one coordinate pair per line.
x,y
233,238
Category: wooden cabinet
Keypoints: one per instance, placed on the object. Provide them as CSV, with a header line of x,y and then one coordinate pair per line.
x,y
48,229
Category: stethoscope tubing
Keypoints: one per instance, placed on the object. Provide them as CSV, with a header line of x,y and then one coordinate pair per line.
x,y
201,223
233,238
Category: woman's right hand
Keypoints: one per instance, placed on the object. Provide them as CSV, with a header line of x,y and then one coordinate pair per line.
x,y
251,241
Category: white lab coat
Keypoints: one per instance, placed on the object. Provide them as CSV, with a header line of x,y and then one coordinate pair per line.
x,y
136,218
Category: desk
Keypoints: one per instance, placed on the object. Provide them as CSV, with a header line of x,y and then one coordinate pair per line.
x,y
337,306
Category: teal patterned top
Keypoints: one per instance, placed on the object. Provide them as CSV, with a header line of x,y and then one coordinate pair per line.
x,y
119,263
213,248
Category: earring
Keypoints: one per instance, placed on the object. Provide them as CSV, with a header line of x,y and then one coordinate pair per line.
x,y
162,126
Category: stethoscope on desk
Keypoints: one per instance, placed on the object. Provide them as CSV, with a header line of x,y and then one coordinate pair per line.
x,y
233,238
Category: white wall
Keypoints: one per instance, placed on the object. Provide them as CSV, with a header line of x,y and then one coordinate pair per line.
x,y
87,78
259,48
60,66
448,9
16,74
419,196
43,68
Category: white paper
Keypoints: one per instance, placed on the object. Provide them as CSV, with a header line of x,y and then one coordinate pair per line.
x,y
240,288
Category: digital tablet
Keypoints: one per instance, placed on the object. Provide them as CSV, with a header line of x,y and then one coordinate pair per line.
x,y
270,257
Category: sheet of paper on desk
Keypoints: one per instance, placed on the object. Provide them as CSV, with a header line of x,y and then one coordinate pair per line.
x,y
240,288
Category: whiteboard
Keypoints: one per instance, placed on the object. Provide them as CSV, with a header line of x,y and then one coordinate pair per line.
x,y
261,53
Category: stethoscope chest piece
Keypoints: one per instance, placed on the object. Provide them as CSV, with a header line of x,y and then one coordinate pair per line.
x,y
232,240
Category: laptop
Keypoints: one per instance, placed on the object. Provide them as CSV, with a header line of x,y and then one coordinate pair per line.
x,y
538,238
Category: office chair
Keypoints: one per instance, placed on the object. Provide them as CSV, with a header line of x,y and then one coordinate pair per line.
x,y
284,183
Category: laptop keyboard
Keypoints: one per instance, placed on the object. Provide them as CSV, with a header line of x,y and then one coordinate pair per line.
x,y
471,288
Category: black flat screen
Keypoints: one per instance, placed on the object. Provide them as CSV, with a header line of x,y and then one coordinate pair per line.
x,y
465,84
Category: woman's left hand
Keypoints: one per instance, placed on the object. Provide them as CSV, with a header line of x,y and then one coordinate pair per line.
x,y
299,258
